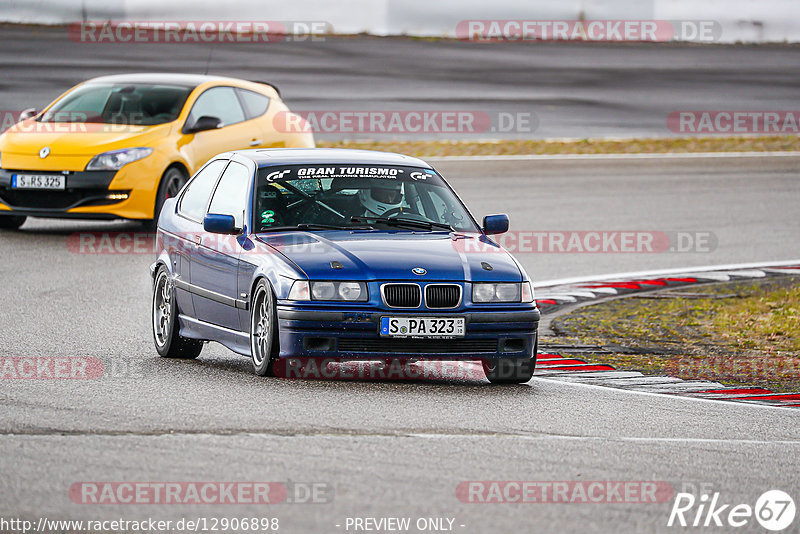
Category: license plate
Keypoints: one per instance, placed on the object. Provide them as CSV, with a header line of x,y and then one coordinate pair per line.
x,y
38,181
430,327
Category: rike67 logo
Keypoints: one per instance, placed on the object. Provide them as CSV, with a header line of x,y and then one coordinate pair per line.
x,y
774,510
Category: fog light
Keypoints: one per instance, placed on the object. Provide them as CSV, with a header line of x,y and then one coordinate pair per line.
x,y
117,196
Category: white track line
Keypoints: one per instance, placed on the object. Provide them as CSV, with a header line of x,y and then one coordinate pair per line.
x,y
738,404
648,155
662,272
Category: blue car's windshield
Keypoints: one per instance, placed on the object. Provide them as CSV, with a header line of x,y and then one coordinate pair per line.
x,y
144,104
346,195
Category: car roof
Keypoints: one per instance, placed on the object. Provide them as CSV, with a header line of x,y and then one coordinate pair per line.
x,y
267,157
186,80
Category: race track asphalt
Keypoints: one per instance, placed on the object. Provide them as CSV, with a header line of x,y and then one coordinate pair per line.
x,y
392,448
574,90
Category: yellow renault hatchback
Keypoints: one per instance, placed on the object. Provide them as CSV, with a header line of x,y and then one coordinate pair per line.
x,y
118,146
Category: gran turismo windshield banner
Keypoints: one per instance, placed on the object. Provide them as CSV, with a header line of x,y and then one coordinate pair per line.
x,y
331,171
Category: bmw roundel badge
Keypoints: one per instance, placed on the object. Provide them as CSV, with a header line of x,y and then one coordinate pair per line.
x,y
418,271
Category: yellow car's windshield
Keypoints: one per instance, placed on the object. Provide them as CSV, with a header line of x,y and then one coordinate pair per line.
x,y
143,104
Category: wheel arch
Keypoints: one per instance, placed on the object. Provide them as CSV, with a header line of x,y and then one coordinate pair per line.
x,y
276,338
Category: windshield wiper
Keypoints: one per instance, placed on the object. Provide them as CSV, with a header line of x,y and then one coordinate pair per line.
x,y
309,226
401,221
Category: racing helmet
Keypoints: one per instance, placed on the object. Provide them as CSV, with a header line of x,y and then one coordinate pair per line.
x,y
382,196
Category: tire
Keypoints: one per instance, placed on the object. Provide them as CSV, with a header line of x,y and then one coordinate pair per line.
x,y
511,370
171,183
263,330
168,341
12,222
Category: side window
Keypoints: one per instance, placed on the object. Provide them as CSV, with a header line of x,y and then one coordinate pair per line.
x,y
255,104
230,198
219,102
195,198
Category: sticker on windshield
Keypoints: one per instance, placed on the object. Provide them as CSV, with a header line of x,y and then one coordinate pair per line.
x,y
348,172
267,217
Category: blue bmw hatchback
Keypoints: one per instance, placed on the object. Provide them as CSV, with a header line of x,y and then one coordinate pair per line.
x,y
346,254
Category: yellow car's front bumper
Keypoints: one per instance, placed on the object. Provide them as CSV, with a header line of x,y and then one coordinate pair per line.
x,y
129,193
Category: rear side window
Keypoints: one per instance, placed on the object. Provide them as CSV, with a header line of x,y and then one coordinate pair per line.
x,y
255,104
219,102
195,199
230,198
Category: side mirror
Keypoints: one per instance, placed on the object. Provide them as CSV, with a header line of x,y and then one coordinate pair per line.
x,y
216,223
27,114
495,224
204,123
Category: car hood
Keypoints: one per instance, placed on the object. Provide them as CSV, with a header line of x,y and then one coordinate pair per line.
x,y
377,255
72,139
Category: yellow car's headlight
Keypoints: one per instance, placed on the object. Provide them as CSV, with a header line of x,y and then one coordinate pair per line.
x,y
116,159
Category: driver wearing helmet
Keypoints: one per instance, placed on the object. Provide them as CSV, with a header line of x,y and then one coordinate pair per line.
x,y
381,197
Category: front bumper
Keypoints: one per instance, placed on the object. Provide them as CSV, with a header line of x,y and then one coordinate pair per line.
x,y
354,334
86,195
86,188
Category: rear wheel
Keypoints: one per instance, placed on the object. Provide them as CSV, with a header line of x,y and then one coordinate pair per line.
x,y
12,222
171,184
263,330
511,370
169,342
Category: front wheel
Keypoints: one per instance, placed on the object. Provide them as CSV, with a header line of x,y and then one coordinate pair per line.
x,y
171,184
263,330
169,342
511,370
12,222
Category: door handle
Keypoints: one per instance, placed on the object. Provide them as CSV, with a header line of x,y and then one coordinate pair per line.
x,y
255,142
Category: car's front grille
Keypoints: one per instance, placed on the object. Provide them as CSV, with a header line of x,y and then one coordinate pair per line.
x,y
402,295
442,296
418,346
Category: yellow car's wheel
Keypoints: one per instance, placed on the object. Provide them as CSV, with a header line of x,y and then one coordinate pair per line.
x,y
171,183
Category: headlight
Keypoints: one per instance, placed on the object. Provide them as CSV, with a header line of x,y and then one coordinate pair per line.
x,y
527,292
300,291
347,291
116,159
323,290
505,292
